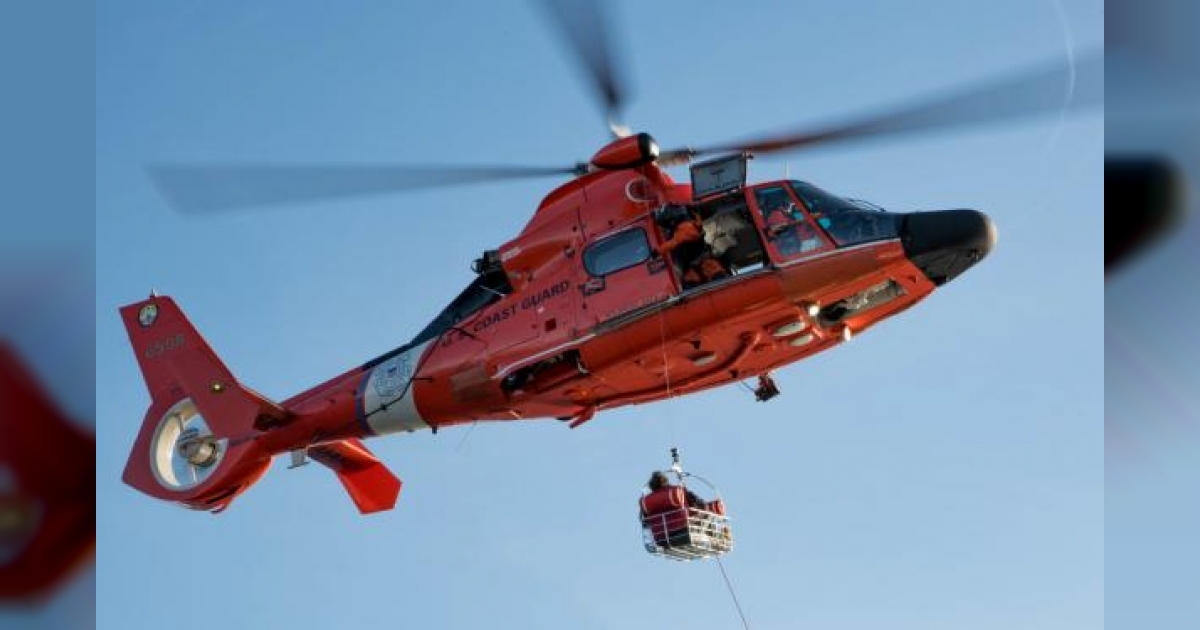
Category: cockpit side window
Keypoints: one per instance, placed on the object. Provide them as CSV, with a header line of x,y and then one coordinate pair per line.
x,y
616,252
485,290
786,224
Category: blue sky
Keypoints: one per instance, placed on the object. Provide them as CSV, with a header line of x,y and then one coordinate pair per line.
x,y
944,470
1152,421
1152,417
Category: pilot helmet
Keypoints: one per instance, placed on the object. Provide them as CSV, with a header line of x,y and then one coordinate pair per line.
x,y
670,215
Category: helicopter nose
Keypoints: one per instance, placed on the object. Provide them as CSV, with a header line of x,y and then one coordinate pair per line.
x,y
945,243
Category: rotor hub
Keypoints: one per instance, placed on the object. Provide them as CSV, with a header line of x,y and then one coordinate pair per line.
x,y
198,450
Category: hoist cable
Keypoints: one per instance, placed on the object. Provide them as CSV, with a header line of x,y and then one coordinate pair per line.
x,y
662,344
729,585
466,435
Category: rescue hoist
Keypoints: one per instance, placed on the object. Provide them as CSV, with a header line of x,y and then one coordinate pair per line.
x,y
679,524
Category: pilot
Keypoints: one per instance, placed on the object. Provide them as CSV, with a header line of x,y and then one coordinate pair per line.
x,y
687,247
781,227
792,233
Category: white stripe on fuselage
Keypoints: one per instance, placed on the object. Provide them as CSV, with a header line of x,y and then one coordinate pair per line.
x,y
387,398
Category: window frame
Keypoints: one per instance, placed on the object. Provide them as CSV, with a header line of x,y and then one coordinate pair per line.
x,y
587,266
827,242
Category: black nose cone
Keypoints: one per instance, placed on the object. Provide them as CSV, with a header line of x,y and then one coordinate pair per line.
x,y
945,243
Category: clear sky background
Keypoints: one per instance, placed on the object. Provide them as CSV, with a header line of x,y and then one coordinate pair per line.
x,y
1152,438
943,470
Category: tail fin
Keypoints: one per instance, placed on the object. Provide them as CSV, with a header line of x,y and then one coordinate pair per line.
x,y
196,443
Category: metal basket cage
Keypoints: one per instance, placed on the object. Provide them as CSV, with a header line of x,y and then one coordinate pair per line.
x,y
687,534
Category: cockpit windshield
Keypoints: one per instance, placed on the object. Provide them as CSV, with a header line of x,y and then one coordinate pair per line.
x,y
847,221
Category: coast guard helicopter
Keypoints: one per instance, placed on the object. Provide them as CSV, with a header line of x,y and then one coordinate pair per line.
x,y
624,287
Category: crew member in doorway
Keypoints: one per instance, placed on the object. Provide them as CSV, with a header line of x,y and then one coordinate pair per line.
x,y
686,246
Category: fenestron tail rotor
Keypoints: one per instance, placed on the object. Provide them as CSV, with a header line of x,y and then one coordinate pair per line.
x,y
184,451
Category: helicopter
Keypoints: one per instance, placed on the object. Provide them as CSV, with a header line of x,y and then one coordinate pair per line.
x,y
587,308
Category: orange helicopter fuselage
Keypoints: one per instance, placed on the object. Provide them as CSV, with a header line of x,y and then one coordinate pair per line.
x,y
581,343
588,308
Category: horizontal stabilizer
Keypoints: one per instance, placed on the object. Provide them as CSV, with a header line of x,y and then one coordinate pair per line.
x,y
370,484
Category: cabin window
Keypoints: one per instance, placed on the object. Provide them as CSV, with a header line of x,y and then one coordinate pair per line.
x,y
485,290
616,252
786,224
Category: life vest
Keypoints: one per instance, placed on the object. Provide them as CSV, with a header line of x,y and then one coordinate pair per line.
x,y
687,243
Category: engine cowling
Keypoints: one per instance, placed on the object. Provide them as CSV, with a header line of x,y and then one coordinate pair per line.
x,y
628,152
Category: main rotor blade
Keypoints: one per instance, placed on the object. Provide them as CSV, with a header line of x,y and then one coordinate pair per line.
x,y
1038,91
194,188
583,27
